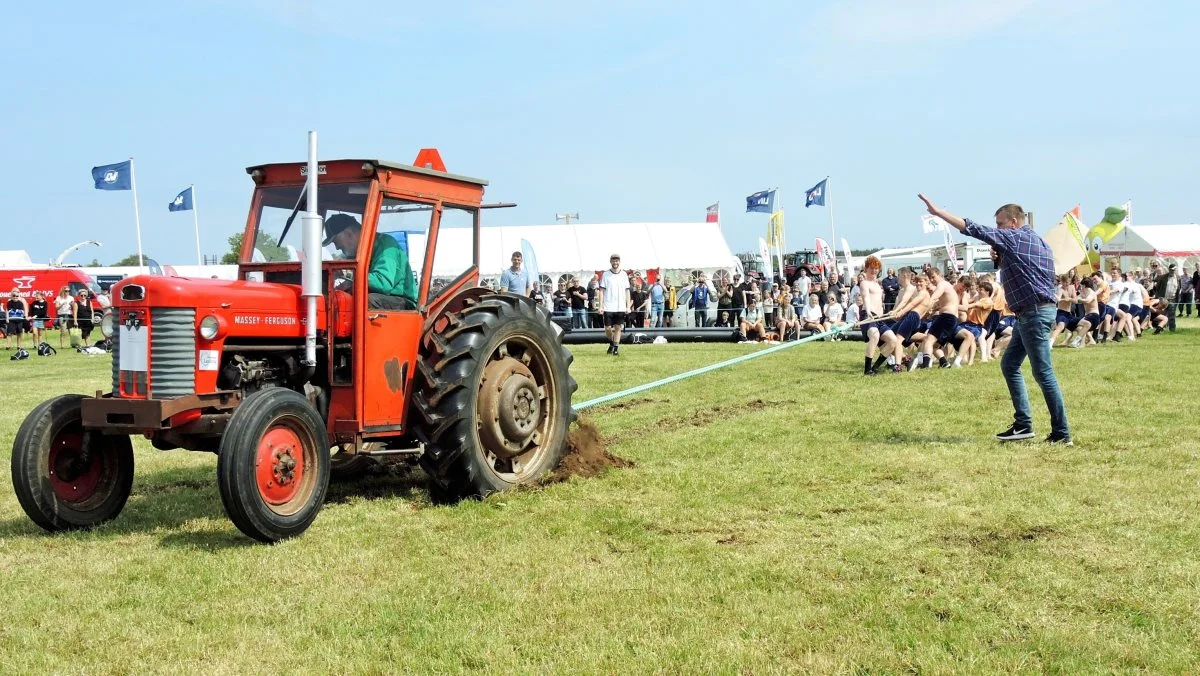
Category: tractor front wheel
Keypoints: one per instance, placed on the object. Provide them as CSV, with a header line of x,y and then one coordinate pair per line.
x,y
273,465
494,398
65,477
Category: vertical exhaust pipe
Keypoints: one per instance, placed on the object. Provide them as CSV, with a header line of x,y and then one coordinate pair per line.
x,y
310,272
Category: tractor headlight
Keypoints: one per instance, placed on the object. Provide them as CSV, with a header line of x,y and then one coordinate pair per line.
x,y
108,324
210,326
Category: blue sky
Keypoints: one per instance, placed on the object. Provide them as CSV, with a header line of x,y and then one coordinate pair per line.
x,y
618,110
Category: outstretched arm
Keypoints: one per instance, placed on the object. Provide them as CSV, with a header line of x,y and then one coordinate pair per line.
x,y
959,223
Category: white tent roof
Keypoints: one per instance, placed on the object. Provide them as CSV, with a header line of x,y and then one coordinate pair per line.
x,y
1166,241
582,247
15,259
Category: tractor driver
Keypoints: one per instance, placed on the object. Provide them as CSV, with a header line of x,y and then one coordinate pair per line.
x,y
390,281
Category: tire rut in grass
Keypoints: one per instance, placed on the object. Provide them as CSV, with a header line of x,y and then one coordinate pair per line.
x,y
700,418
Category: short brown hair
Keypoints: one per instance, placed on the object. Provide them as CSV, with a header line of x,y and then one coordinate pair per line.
x,y
1013,211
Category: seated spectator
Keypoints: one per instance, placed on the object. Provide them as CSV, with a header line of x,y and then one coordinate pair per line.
x,y
813,318
786,322
752,325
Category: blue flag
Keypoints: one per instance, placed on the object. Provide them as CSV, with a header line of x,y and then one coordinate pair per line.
x,y
763,201
182,201
816,195
113,176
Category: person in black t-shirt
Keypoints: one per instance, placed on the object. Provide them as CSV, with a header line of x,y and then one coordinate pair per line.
x,y
639,295
562,302
578,297
891,287
39,314
739,300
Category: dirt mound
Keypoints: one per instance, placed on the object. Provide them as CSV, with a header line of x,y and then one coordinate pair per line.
x,y
587,454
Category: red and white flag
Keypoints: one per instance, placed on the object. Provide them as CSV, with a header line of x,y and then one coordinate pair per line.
x,y
712,213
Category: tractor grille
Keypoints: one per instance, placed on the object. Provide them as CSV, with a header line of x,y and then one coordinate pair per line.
x,y
172,352
116,361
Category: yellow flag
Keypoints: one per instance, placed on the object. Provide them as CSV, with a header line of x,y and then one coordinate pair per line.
x,y
775,229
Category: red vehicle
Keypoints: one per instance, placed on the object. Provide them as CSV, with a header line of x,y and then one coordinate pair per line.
x,y
277,370
806,259
47,279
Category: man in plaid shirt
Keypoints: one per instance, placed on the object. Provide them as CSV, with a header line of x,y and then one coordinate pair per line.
x,y
1027,274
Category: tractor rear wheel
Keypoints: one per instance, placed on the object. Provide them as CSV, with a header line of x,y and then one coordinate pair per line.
x,y
66,477
273,465
493,398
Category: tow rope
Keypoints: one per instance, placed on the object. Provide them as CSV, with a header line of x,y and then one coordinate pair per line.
x,y
713,367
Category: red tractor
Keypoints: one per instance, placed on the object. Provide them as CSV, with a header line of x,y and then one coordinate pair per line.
x,y
309,362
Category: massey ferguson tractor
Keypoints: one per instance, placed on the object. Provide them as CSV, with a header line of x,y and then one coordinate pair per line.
x,y
308,363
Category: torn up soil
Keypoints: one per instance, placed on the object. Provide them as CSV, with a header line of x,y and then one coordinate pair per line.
x,y
587,454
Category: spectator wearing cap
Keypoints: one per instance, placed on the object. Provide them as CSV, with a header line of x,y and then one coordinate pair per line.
x,y
390,281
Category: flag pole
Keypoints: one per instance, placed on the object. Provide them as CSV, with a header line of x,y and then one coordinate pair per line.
x,y
196,222
137,219
832,228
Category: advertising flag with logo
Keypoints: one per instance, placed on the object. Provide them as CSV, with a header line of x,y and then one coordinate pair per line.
x,y
762,201
816,194
112,176
712,213
182,201
825,253
931,223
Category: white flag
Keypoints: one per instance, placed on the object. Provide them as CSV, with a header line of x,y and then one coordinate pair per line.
x,y
931,223
1128,207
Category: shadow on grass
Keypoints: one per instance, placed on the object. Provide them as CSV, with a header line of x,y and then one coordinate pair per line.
x,y
167,500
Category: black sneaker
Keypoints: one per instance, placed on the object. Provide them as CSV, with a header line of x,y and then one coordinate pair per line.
x,y
1056,438
611,347
616,350
1015,433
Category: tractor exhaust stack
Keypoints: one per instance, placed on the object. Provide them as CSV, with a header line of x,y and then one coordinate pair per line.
x,y
310,272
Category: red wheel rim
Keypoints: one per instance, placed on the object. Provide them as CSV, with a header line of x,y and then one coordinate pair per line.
x,y
279,465
71,479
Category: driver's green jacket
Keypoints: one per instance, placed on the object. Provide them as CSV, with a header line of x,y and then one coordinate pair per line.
x,y
389,272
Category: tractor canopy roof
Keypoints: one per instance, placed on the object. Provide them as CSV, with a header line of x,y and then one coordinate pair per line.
x,y
347,168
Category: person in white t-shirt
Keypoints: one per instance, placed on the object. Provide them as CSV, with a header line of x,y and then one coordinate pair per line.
x,y
834,311
615,301
814,316
1121,290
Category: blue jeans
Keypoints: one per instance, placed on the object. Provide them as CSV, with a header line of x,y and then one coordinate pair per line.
x,y
1031,337
656,315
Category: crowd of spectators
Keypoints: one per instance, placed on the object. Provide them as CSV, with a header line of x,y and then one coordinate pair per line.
x,y
38,314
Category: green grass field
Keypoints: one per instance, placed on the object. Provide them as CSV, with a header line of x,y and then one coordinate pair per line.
x,y
783,515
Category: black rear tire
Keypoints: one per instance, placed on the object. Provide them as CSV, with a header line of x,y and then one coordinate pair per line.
x,y
493,398
59,485
273,465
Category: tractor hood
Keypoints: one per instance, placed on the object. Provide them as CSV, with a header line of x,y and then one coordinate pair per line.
x,y
254,309
160,291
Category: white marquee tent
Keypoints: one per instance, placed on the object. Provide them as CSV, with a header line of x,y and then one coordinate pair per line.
x,y
583,248
1139,243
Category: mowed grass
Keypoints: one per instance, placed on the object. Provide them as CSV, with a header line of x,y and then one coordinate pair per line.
x,y
785,514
